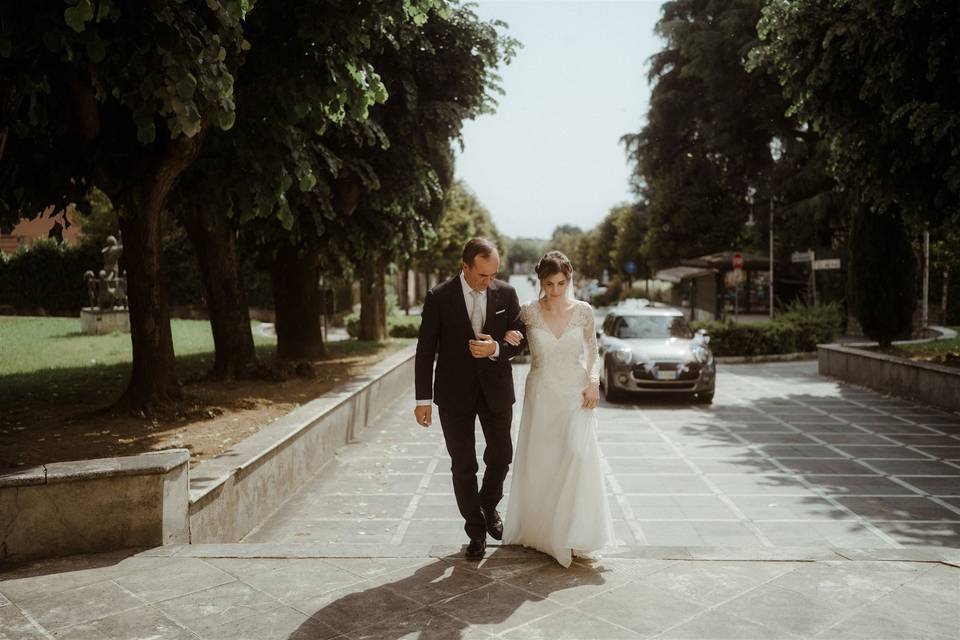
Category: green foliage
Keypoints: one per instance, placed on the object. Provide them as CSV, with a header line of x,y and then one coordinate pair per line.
x,y
463,217
90,89
800,329
878,80
703,160
524,251
882,273
47,277
398,326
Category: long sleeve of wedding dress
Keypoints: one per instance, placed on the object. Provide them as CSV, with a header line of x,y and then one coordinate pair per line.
x,y
590,348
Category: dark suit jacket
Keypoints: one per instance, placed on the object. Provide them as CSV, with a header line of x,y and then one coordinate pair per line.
x,y
445,331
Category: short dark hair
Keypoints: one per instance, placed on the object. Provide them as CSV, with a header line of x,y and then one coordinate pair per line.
x,y
477,247
553,262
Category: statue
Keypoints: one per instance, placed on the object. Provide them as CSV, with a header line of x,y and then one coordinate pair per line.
x,y
109,290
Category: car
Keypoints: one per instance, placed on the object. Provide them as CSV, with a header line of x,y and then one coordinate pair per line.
x,y
648,347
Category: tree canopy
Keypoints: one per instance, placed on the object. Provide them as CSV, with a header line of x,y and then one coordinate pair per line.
x,y
879,81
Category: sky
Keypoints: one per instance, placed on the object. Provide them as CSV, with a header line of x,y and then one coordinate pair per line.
x,y
551,154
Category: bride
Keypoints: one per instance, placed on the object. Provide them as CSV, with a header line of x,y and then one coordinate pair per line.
x,y
558,502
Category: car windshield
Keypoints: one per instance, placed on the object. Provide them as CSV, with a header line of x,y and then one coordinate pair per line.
x,y
653,327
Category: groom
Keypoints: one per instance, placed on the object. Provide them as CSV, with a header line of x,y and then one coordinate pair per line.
x,y
464,321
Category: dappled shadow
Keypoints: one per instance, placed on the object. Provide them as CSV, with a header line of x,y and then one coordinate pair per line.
x,y
448,597
844,455
55,415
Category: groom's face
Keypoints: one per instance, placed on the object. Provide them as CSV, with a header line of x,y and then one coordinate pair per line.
x,y
480,274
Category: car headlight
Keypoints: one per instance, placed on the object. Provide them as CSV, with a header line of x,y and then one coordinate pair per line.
x,y
623,356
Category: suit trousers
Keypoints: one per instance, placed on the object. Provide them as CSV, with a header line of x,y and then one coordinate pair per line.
x,y
459,428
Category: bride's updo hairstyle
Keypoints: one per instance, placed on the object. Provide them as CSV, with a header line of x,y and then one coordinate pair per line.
x,y
551,263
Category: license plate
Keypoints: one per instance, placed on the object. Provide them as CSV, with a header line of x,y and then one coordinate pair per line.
x,y
666,375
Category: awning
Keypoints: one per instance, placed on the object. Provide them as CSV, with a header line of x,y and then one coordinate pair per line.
x,y
679,274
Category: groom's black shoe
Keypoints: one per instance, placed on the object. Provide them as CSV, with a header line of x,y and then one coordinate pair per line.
x,y
477,548
494,523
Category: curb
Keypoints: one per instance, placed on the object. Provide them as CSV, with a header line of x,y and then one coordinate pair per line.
x,y
773,357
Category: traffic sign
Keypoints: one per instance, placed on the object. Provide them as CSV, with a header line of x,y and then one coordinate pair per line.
x,y
801,256
827,263
738,260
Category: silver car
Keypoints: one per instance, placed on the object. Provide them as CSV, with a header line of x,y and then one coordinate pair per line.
x,y
648,347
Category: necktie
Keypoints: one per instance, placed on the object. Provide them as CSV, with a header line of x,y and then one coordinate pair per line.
x,y
476,316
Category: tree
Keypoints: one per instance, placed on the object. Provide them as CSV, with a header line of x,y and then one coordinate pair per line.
x,y
119,96
271,180
463,217
704,156
440,75
524,251
878,81
881,289
631,231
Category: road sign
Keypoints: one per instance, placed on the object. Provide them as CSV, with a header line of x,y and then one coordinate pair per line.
x,y
801,256
738,260
630,267
827,263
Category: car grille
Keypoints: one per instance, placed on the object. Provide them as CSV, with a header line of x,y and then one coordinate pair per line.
x,y
686,372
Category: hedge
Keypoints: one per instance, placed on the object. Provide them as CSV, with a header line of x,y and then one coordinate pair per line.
x,y
47,277
799,329
398,326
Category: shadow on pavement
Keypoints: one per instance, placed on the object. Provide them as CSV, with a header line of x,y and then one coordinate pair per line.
x,y
449,596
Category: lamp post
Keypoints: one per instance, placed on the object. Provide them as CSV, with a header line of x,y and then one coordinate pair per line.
x,y
776,151
771,260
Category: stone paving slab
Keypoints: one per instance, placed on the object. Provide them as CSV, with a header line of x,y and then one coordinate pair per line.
x,y
258,591
782,458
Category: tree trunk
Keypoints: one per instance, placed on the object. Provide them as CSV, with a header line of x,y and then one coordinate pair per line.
x,y
215,245
296,293
373,299
153,380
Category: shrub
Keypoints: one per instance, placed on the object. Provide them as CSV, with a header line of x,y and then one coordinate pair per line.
x,y
799,329
881,281
47,277
398,326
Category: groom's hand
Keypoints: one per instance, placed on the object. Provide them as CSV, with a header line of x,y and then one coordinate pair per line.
x,y
484,347
424,415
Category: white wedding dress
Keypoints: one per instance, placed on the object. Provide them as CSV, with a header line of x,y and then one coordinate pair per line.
x,y
558,501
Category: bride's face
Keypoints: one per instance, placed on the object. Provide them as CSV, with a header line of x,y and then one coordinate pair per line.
x,y
555,286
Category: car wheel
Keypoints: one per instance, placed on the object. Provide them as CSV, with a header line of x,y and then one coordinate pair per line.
x,y
611,393
705,398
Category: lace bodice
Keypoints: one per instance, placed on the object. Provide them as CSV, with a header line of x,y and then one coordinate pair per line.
x,y
572,353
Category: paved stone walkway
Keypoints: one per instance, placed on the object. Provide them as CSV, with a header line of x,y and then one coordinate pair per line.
x,y
791,508
782,458
307,592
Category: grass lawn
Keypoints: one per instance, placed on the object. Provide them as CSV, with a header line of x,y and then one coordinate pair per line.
x,y
937,351
55,382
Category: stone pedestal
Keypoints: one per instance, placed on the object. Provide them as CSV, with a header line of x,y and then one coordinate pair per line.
x,y
97,322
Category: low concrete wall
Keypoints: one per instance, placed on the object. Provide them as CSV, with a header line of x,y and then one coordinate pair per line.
x,y
234,492
931,384
154,499
89,506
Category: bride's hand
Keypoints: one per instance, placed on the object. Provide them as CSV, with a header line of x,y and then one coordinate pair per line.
x,y
514,337
591,397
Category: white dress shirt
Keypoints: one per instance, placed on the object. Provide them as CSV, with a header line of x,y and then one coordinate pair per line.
x,y
468,302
